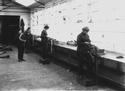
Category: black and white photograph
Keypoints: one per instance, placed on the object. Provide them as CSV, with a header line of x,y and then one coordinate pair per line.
x,y
62,45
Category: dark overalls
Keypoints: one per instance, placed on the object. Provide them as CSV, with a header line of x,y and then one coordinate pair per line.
x,y
44,44
21,46
28,43
84,57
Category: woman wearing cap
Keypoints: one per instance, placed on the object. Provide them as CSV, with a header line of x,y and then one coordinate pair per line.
x,y
83,52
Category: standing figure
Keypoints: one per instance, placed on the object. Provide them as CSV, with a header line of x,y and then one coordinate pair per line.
x,y
84,57
44,44
21,44
29,40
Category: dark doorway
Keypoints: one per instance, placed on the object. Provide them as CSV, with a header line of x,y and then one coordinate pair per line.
x,y
9,27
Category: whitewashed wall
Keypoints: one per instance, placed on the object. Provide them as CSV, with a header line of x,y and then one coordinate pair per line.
x,y
105,18
65,20
108,29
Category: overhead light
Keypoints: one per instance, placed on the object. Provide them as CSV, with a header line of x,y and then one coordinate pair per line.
x,y
25,2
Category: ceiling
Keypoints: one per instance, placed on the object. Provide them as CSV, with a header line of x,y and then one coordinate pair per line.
x,y
11,3
38,3
5,4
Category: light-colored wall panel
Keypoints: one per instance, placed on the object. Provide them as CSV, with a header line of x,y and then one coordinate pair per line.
x,y
105,19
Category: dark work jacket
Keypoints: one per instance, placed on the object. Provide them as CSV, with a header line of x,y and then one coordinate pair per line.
x,y
81,45
22,36
44,38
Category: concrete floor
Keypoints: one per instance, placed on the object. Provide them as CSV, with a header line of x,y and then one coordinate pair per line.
x,y
32,76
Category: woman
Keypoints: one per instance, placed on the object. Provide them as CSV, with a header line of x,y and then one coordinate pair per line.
x,y
21,44
44,44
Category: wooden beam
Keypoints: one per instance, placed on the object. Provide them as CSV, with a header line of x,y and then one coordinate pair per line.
x,y
40,2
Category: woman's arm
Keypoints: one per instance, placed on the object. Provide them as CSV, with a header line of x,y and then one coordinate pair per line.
x,y
23,40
